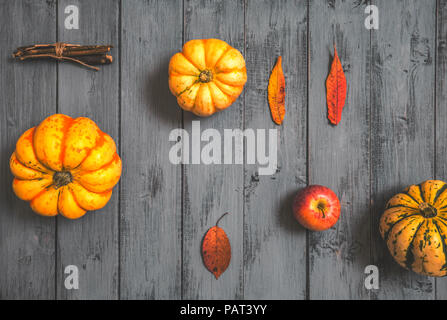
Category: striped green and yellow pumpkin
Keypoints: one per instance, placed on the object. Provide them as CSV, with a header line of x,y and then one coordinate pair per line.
x,y
414,226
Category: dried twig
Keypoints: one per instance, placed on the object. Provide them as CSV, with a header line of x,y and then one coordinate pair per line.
x,y
84,55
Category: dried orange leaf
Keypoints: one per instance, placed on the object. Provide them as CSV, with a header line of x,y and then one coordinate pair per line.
x,y
277,93
216,250
335,90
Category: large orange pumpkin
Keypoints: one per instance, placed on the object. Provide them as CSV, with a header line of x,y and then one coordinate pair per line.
x,y
414,226
65,165
207,76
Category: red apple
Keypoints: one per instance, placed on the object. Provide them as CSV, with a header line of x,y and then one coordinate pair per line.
x,y
316,207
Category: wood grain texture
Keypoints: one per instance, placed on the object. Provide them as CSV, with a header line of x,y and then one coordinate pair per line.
x,y
339,155
211,190
274,243
402,125
91,243
145,244
150,252
27,96
441,112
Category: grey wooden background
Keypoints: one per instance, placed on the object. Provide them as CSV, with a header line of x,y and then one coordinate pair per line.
x,y
145,244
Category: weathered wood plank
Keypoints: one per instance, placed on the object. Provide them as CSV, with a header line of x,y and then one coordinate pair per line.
x,y
91,243
274,243
269,247
339,155
441,112
211,190
402,125
150,253
27,96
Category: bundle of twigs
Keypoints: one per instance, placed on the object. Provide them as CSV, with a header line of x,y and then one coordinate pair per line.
x,y
85,55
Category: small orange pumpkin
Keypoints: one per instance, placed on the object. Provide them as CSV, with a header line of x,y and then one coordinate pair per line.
x,y
207,76
414,226
65,165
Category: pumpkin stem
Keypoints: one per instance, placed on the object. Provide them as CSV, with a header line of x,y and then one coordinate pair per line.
x,y
428,210
205,76
62,178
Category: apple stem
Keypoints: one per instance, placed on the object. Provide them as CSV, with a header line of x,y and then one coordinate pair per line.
x,y
321,208
322,212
